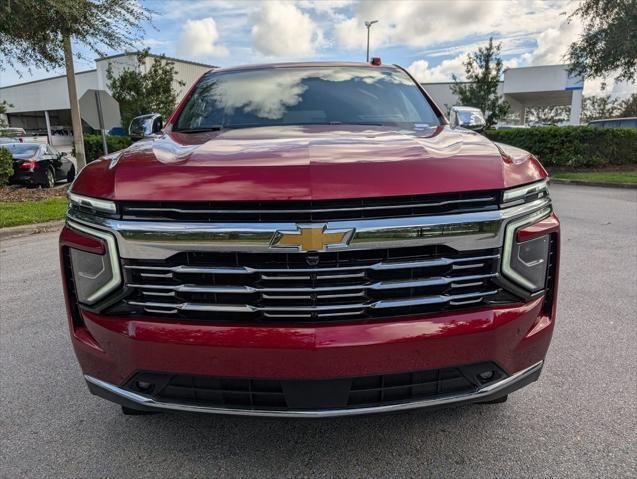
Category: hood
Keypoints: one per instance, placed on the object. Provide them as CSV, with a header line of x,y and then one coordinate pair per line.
x,y
307,162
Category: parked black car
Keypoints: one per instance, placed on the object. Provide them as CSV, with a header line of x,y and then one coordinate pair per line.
x,y
36,164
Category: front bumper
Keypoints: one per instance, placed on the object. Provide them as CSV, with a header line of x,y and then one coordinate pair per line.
x,y
112,350
28,177
487,393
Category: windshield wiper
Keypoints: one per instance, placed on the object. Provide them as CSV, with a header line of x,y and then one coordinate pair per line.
x,y
353,123
259,125
200,130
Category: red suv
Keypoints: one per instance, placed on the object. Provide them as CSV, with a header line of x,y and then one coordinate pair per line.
x,y
310,240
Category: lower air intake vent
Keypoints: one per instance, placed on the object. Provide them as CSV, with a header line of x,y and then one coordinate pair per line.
x,y
275,394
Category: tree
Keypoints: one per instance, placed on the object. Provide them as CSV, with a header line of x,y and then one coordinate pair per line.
x,y
599,107
629,106
483,70
39,33
547,115
3,110
145,90
609,42
6,166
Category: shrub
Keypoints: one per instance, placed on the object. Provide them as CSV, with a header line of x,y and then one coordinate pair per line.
x,y
6,166
573,146
94,148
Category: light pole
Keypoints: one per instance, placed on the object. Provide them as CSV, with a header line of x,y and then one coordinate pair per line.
x,y
369,25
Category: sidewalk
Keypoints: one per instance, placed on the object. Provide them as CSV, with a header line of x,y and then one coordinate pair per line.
x,y
26,230
593,183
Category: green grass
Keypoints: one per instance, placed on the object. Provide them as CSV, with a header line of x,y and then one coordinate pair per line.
x,y
27,212
598,176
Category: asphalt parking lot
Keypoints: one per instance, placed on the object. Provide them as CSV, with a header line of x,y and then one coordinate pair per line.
x,y
579,420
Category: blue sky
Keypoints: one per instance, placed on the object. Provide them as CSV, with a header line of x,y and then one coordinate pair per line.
x,y
429,37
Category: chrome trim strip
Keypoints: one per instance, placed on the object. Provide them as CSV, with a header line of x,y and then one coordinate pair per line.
x,y
156,275
432,281
424,300
116,280
381,304
456,267
198,269
286,278
159,240
309,210
380,285
481,394
360,274
382,266
347,313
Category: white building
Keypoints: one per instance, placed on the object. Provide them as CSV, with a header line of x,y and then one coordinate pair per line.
x,y
29,101
549,85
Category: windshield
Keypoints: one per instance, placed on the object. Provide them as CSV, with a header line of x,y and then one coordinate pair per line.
x,y
305,96
21,149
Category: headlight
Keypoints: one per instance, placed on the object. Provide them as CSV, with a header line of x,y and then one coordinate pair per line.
x,y
95,275
94,204
524,194
525,262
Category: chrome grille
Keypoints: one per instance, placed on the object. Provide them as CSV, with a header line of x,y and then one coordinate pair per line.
x,y
311,210
281,286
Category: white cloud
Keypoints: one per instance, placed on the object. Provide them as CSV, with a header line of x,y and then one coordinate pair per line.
x,y
550,48
600,86
427,25
441,73
198,38
552,44
423,24
152,42
330,8
282,29
176,9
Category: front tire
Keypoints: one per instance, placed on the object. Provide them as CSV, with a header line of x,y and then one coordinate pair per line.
x,y
71,175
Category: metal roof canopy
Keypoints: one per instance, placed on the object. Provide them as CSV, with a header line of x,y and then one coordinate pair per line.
x,y
543,98
89,109
546,85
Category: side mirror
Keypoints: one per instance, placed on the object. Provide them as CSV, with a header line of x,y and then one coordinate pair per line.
x,y
467,117
145,126
64,153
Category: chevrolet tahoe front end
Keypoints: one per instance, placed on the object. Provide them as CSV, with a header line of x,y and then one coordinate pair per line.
x,y
310,240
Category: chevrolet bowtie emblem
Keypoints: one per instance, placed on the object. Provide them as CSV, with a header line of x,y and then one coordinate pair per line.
x,y
312,238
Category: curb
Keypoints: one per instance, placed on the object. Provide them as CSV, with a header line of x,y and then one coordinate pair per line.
x,y
630,186
26,230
